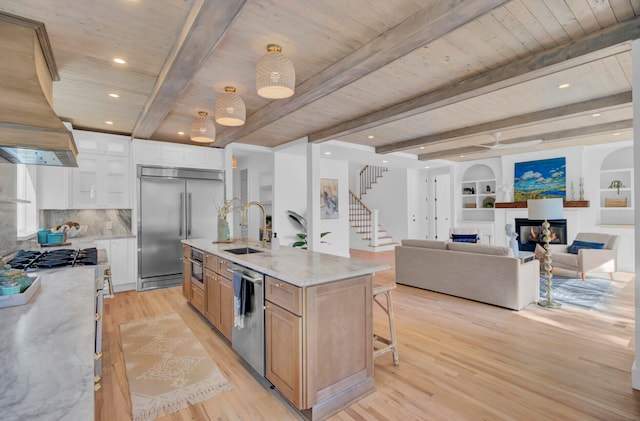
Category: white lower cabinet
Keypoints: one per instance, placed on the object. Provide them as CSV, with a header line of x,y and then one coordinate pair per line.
x,y
121,253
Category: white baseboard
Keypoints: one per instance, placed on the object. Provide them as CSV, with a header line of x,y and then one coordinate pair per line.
x,y
124,287
635,375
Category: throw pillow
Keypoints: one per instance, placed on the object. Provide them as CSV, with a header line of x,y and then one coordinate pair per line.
x,y
577,245
464,238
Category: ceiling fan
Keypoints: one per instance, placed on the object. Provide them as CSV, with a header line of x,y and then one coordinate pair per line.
x,y
498,145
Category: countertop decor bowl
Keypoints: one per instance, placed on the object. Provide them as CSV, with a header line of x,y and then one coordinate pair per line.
x,y
55,238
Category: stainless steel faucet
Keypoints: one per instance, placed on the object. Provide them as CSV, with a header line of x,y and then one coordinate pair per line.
x,y
264,220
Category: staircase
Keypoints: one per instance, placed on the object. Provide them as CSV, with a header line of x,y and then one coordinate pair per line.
x,y
363,220
369,175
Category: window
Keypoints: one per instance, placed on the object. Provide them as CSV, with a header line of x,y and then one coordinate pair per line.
x,y
27,213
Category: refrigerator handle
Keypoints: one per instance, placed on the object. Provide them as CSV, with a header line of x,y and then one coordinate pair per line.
x,y
189,217
181,213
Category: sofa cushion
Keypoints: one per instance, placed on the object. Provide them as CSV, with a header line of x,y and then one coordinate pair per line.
x,y
464,238
429,244
481,249
577,245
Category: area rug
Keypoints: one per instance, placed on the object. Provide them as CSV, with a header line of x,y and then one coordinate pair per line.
x,y
167,367
574,291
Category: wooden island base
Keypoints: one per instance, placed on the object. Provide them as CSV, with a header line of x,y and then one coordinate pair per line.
x,y
340,401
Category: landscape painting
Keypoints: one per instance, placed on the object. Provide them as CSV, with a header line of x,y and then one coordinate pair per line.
x,y
328,198
545,178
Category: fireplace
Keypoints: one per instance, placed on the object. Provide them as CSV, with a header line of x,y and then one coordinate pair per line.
x,y
530,233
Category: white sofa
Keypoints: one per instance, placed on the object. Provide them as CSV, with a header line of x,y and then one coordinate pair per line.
x,y
480,272
587,260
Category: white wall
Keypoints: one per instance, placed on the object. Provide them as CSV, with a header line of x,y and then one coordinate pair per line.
x,y
390,196
339,238
289,191
635,55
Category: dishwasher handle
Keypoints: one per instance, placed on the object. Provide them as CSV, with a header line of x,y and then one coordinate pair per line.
x,y
255,280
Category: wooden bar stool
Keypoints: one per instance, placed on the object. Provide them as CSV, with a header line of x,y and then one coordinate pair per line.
x,y
107,280
390,344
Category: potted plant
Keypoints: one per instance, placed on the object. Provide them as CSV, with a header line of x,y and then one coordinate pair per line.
x,y
302,224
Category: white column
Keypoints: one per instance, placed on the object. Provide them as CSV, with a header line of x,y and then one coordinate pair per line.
x,y
313,196
635,52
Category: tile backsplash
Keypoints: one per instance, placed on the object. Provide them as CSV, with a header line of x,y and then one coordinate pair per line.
x,y
99,222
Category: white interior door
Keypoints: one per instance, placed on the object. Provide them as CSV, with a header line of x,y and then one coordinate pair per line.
x,y
442,197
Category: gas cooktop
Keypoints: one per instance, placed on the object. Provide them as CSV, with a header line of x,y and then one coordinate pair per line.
x,y
30,260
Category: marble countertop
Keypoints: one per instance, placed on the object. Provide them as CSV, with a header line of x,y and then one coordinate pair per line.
x,y
47,347
298,267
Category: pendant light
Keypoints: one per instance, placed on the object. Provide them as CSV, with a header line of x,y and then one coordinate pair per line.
x,y
230,108
275,75
202,129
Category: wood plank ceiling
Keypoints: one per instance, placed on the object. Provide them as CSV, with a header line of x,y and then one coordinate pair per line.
x,y
431,78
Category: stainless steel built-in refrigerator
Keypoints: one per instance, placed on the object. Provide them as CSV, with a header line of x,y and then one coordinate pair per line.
x,y
173,204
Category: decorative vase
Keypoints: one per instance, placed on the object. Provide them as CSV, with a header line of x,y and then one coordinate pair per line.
x,y
223,230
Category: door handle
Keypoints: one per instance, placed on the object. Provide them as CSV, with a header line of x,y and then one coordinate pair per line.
x,y
189,218
181,213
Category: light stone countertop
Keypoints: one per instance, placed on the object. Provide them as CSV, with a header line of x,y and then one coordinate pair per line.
x,y
47,348
299,267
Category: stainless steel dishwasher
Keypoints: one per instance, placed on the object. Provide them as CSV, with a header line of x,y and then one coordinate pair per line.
x,y
248,342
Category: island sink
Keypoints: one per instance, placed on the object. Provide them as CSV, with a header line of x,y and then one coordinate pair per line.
x,y
243,250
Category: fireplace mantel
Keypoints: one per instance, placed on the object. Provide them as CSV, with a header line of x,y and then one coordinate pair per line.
x,y
567,204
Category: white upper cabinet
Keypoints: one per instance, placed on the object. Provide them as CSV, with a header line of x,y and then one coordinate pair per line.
x,y
147,152
103,178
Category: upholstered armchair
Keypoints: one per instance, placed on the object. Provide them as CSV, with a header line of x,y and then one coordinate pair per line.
x,y
586,259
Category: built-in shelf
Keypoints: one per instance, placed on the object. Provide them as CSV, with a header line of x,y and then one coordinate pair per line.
x,y
478,191
567,204
8,199
616,188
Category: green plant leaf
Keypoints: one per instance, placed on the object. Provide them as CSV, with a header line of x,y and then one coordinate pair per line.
x,y
322,234
299,243
302,236
298,219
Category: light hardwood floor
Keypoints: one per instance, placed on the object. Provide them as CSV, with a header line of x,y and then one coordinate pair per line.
x,y
459,360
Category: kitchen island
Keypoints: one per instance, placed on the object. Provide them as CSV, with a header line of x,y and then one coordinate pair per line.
x,y
47,350
317,318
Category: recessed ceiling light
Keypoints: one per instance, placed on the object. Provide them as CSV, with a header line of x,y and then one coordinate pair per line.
x,y
563,85
595,115
426,166
181,133
119,60
421,147
385,161
327,153
112,95
461,156
616,134
370,136
109,122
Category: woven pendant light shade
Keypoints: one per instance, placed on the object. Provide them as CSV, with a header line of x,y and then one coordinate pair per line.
x,y
202,129
230,108
275,75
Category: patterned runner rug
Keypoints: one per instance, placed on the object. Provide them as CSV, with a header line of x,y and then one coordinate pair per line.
x,y
167,367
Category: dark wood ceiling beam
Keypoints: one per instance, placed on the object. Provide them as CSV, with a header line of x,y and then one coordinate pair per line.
x,y
423,27
598,104
546,137
206,25
597,45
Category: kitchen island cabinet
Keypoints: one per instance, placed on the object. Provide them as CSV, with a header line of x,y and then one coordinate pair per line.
x,y
318,323
219,294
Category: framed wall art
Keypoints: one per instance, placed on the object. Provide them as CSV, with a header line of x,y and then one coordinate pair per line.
x,y
328,198
545,178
